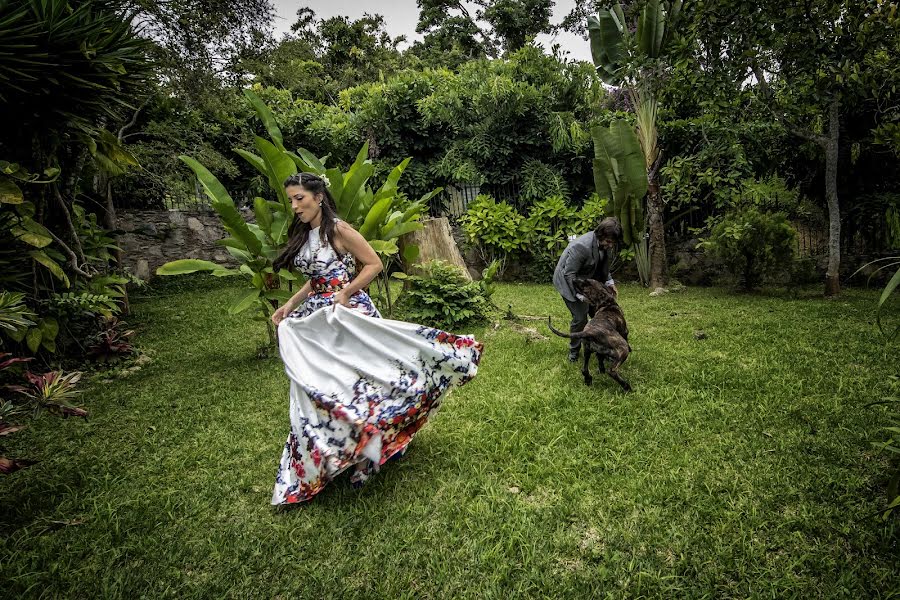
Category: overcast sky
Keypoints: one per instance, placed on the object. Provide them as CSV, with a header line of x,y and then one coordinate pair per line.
x,y
401,17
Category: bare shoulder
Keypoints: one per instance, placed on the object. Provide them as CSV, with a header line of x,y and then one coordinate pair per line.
x,y
341,225
345,230
346,235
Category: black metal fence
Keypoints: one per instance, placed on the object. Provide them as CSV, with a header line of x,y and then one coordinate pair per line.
x,y
453,201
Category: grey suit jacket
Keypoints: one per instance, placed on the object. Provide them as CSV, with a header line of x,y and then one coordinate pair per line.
x,y
581,258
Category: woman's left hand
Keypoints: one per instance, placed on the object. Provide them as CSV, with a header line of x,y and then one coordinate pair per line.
x,y
342,298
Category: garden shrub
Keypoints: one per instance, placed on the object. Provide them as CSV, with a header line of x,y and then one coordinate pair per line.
x,y
441,296
499,232
752,245
547,229
495,229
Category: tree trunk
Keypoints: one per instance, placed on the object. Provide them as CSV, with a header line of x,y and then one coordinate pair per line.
x,y
103,187
658,271
435,241
832,274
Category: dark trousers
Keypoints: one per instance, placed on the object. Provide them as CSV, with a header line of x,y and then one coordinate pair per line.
x,y
581,312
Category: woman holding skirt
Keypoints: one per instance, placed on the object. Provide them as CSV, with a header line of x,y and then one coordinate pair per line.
x,y
360,386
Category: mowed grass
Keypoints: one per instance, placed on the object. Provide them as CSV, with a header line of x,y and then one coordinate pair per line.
x,y
739,467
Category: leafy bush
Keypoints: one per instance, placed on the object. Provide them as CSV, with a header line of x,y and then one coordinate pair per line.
x,y
591,213
752,244
499,232
442,297
549,224
495,228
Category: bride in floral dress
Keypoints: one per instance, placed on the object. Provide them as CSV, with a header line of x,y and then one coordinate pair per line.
x,y
360,386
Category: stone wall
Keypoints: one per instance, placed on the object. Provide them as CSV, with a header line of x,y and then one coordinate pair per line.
x,y
151,238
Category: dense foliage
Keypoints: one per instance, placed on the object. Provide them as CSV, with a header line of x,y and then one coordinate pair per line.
x,y
440,295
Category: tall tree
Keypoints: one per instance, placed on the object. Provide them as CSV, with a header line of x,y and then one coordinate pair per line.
x,y
515,22
452,33
813,63
324,56
197,42
479,28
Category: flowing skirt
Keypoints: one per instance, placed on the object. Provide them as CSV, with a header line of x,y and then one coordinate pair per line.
x,y
360,388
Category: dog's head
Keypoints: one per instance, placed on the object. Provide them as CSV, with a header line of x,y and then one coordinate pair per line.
x,y
597,294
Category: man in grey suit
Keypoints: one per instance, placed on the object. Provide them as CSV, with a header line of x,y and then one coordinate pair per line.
x,y
587,257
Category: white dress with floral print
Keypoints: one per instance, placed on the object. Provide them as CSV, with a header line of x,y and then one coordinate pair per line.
x,y
360,386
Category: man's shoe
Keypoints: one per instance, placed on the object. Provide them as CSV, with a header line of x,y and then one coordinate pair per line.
x,y
573,355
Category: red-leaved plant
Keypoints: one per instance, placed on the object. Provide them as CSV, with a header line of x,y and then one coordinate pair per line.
x,y
53,391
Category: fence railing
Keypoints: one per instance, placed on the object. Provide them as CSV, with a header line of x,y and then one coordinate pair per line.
x,y
453,201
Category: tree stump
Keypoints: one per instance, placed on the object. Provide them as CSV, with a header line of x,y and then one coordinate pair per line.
x,y
435,242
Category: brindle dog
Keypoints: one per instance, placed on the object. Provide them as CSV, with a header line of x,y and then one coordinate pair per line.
x,y
605,335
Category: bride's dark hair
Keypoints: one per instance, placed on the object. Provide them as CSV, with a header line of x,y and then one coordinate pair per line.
x,y
298,233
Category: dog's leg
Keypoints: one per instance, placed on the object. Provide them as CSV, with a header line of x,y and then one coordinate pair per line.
x,y
613,371
601,363
587,359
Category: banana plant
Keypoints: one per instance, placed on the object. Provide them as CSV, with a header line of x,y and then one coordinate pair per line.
x,y
625,59
620,176
256,245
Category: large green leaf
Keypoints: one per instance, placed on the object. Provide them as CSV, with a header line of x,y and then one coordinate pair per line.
x,y
619,145
410,253
316,165
31,237
267,118
281,222
187,265
231,242
299,162
256,161
278,163
389,188
263,215
426,197
620,174
41,257
384,247
49,328
10,192
223,204
650,28
354,190
244,301
375,217
336,179
242,255
403,229
364,202
280,295
607,45
33,339
605,175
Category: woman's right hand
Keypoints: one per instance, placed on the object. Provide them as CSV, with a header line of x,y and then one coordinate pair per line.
x,y
279,315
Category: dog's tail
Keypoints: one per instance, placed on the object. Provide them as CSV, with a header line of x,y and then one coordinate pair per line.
x,y
580,334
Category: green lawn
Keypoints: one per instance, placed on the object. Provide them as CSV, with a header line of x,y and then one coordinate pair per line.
x,y
739,467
